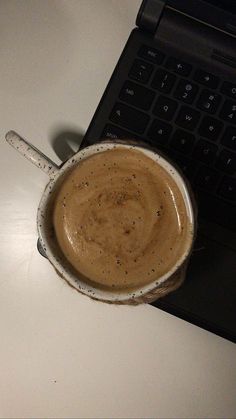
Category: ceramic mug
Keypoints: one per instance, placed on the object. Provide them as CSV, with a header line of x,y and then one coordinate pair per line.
x,y
158,288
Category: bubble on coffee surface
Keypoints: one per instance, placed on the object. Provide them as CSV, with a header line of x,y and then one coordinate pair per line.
x,y
120,219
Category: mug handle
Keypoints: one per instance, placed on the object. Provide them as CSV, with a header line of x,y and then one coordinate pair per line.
x,y
32,154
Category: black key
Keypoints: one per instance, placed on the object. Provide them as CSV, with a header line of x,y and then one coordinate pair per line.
x,y
229,89
205,151
165,108
228,189
178,66
151,54
163,149
141,71
217,210
229,138
163,81
228,112
210,128
207,178
186,91
208,101
159,132
206,78
136,95
227,162
115,133
187,166
187,118
129,118
183,141
171,153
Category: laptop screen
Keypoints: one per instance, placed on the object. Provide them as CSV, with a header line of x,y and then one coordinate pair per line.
x,y
227,5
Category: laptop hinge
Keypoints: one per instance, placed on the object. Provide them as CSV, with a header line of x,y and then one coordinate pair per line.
x,y
195,37
149,15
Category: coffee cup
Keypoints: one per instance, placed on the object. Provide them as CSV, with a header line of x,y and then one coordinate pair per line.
x,y
121,287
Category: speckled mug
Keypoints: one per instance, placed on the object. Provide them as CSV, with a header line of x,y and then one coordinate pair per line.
x,y
148,293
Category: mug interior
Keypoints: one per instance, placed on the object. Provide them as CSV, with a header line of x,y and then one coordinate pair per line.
x,y
52,250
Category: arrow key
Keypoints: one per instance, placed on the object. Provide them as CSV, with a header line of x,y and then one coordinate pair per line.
x,y
178,66
207,79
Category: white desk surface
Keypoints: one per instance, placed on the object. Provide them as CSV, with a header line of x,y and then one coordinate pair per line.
x,y
61,354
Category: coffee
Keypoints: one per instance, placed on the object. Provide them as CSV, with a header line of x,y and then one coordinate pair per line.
x,y
120,219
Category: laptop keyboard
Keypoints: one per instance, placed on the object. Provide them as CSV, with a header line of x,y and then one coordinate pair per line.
x,y
190,115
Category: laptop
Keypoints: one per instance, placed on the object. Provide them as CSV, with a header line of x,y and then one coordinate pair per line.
x,y
174,87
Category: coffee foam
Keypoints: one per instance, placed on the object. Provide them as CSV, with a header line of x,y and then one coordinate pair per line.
x,y
120,219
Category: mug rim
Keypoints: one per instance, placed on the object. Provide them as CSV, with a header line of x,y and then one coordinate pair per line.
x,y
74,280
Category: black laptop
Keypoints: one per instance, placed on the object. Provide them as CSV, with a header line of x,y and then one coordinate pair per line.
x,y
174,87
